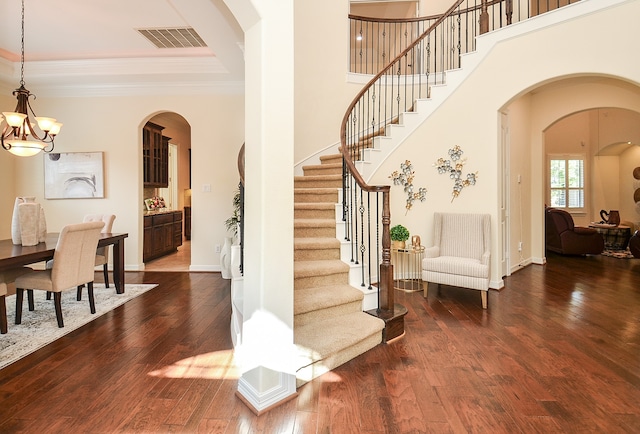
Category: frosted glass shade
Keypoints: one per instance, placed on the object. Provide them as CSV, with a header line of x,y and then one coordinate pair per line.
x,y
45,124
14,119
24,148
55,128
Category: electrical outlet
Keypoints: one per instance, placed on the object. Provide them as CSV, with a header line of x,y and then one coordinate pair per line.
x,y
520,246
218,248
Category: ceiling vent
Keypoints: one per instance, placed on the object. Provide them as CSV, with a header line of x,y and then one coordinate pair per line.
x,y
176,37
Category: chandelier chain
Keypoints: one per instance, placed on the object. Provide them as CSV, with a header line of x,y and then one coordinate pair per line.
x,y
22,49
15,135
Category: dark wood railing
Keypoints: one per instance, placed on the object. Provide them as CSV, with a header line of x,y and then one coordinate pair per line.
x,y
241,161
374,42
423,49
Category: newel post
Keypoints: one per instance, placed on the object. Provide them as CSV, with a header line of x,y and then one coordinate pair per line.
x,y
386,268
388,310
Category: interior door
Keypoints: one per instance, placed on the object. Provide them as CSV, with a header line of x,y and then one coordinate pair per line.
x,y
170,194
505,262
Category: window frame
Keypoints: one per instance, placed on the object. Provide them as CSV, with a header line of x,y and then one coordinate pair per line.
x,y
585,185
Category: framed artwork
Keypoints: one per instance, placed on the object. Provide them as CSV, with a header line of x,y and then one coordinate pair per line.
x,y
73,175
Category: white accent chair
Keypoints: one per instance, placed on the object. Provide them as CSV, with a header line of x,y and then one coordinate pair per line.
x,y
73,265
461,253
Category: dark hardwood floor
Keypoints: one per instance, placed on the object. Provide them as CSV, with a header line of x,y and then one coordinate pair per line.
x,y
558,350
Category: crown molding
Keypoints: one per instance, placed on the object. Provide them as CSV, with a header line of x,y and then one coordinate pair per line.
x,y
142,88
123,77
124,66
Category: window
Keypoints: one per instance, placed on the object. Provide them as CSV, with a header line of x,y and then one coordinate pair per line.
x,y
566,182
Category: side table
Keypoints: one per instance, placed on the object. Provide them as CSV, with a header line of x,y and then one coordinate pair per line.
x,y
407,268
615,237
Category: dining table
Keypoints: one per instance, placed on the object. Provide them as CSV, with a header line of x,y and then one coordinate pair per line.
x,y
17,255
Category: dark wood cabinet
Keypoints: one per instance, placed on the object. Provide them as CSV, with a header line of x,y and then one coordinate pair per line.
x,y
162,234
177,230
155,156
147,250
187,222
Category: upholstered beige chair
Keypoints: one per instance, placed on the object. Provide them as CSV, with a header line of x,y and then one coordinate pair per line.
x,y
7,278
460,254
73,265
102,253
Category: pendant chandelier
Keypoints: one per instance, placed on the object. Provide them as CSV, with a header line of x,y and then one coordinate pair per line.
x,y
15,135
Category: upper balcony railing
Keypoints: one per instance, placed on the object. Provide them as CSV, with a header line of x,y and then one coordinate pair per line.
x,y
374,42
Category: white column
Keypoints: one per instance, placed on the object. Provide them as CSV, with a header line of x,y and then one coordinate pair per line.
x,y
266,354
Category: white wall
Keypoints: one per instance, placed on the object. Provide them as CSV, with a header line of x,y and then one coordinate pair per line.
x,y
113,125
322,93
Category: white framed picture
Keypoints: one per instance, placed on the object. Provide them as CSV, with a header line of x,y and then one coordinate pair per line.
x,y
73,175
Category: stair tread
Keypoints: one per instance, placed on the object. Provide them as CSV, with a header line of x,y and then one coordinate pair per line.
x,y
322,166
315,205
330,156
313,223
316,190
312,178
322,338
316,243
319,267
323,297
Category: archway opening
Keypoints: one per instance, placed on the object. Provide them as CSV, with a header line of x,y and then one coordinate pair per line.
x,y
167,185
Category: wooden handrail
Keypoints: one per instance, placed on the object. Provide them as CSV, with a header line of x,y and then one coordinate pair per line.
x,y
241,164
488,3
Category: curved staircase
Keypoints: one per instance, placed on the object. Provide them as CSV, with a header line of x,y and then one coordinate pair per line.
x,y
330,327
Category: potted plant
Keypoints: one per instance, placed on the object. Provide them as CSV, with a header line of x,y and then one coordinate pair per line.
x,y
232,224
399,235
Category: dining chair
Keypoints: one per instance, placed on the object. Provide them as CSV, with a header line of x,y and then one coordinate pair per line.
x,y
73,265
7,277
102,253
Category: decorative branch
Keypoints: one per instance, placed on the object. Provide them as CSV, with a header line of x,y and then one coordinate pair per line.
x,y
405,178
454,168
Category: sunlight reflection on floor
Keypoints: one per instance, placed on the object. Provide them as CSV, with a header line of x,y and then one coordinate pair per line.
x,y
215,365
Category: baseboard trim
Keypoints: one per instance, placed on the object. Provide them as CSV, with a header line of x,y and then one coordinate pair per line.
x,y
496,284
205,268
261,402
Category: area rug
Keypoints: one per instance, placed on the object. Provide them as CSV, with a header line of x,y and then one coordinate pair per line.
x,y
620,254
40,327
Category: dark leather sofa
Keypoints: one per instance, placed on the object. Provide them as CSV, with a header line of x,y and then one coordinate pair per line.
x,y
561,236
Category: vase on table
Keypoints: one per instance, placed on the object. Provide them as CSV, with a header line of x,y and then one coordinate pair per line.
x,y
28,223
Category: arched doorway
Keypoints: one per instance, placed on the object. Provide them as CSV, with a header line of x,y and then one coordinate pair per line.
x,y
176,192
535,120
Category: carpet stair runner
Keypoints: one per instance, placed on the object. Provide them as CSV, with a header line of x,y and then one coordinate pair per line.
x,y
330,327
